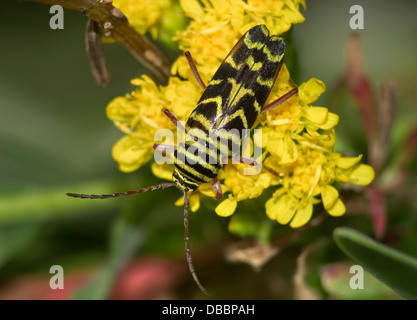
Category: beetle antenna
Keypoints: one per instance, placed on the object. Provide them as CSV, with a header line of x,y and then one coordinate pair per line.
x,y
187,247
121,194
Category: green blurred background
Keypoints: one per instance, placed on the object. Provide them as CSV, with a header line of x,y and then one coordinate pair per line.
x,y
55,138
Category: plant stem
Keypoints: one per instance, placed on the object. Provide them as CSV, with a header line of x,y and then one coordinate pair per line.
x,y
116,25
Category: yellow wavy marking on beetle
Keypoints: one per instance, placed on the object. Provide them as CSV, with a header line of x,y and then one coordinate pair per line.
x,y
217,100
265,49
267,82
203,120
215,82
265,31
239,113
238,91
253,45
233,64
197,132
271,57
257,106
253,66
225,134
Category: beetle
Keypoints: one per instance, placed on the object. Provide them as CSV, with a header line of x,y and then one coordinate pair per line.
x,y
232,99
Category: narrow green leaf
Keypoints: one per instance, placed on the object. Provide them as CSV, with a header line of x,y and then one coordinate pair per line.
x,y
335,279
126,238
394,268
16,238
52,202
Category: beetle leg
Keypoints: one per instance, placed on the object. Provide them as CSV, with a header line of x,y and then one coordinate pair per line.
x,y
275,173
281,99
244,161
194,69
187,246
217,188
171,116
254,163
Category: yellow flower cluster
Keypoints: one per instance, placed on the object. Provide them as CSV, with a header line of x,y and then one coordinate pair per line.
x,y
299,143
297,138
221,23
143,15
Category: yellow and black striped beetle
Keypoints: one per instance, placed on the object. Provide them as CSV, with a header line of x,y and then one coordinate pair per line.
x,y
233,99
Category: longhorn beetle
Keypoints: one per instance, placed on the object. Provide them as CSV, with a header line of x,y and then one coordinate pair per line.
x,y
233,99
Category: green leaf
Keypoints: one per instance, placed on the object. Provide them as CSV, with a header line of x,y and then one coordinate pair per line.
x,y
394,268
126,238
335,278
16,238
52,202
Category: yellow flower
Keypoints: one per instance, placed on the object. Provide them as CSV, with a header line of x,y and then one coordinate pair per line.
x,y
298,137
331,201
284,208
143,15
310,176
130,153
181,96
305,157
241,186
350,170
139,115
227,207
221,23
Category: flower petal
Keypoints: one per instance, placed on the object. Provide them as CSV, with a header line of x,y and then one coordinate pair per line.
x,y
270,208
317,114
362,175
348,162
130,156
194,202
302,216
338,209
227,207
207,189
328,138
237,19
309,91
290,153
264,179
331,122
179,202
283,75
163,171
281,209
329,196
259,139
121,109
192,8
275,146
